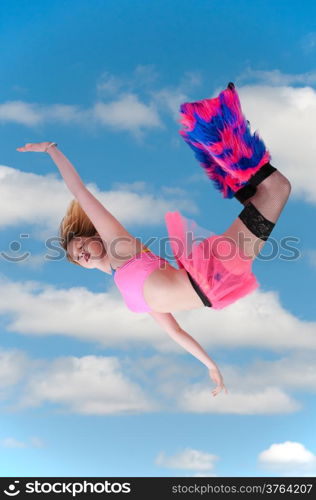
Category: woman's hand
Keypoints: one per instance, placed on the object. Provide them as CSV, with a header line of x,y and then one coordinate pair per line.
x,y
38,147
216,376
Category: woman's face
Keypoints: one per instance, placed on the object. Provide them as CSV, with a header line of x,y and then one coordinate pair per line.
x,y
89,252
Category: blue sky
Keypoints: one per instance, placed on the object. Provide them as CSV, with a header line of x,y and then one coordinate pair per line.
x,y
87,388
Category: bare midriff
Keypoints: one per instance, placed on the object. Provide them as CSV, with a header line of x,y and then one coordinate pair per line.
x,y
170,290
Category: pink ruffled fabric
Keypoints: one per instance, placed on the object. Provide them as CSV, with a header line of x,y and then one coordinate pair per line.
x,y
216,263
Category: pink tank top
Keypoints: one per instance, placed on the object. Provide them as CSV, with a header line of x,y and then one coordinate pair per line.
x,y
130,277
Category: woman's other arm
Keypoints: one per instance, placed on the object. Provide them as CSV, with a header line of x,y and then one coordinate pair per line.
x,y
171,326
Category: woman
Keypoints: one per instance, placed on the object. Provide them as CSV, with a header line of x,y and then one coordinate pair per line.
x,y
214,271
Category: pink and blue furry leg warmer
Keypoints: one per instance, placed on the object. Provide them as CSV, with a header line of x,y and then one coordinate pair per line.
x,y
219,134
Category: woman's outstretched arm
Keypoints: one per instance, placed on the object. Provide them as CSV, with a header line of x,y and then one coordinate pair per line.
x,y
96,212
108,227
67,170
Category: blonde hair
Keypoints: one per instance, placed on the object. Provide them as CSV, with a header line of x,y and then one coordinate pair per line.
x,y
74,224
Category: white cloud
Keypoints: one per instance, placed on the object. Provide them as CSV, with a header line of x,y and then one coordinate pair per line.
x,y
285,453
188,458
259,320
66,114
13,365
33,114
127,113
143,78
285,118
21,112
87,385
90,385
117,106
289,458
271,400
296,371
22,201
37,308
283,115
259,388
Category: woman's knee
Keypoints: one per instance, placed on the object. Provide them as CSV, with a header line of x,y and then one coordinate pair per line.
x,y
286,185
277,183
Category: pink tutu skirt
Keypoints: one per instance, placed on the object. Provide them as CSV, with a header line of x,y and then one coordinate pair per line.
x,y
216,263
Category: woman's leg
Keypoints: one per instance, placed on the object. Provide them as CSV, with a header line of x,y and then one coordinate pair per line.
x,y
261,211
